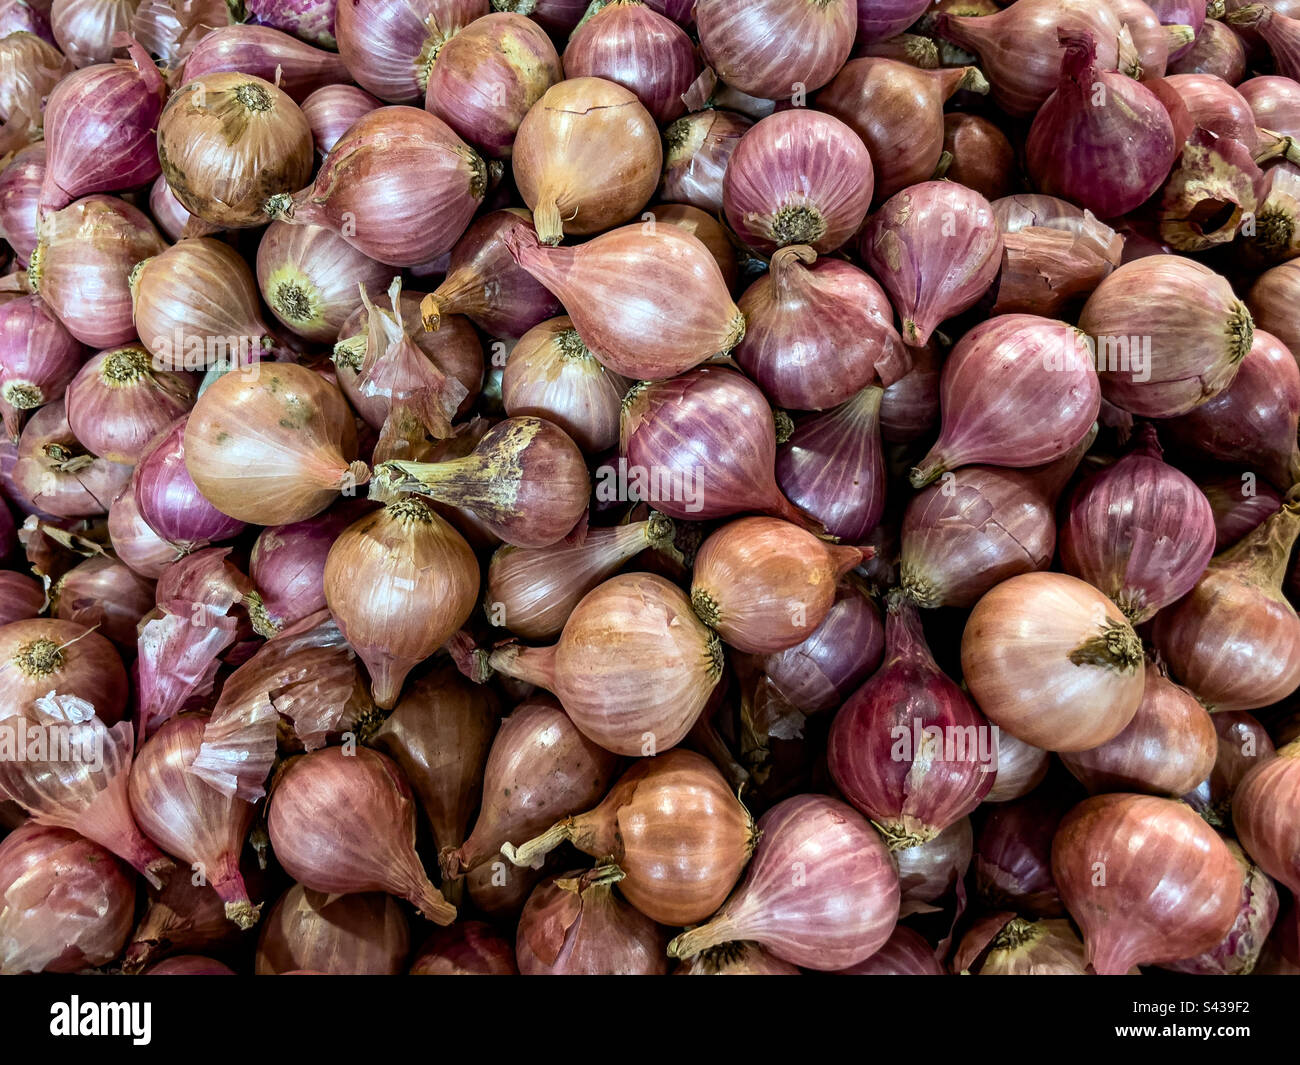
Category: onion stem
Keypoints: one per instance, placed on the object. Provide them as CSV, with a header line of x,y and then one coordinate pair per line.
x,y
533,853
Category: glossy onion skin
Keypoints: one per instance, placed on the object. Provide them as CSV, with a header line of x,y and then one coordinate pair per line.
x,y
1266,814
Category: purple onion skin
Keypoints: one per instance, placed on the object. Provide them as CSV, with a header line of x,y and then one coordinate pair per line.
x,y
1240,502
22,16
20,188
822,671
1243,742
331,109
936,248
931,871
878,20
634,46
1012,863
308,20
909,801
905,954
169,500
259,50
1017,390
8,531
1140,531
833,467
1216,50
909,408
1239,951
698,151
1180,13
20,597
1253,421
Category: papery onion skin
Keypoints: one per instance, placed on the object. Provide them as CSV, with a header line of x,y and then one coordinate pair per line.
x,y
467,948
20,186
331,110
697,151
1013,855
38,359
982,157
86,30
798,177
351,935
41,655
1171,890
1264,816
772,49
169,501
838,914
1002,944
1053,661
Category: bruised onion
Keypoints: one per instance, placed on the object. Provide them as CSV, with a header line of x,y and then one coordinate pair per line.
x,y
350,935
467,948
382,577
1145,879
798,177
168,500
38,359
837,909
697,152
735,959
331,110
633,667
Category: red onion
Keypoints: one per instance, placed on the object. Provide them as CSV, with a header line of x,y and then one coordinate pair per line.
x,y
169,501
909,409
331,110
818,332
1145,879
344,822
711,411
487,77
1253,421
982,157
1234,640
821,891
20,188
1167,334
558,17
735,959
1002,944
311,20
1243,744
1272,301
936,250
1152,41
1013,855
1275,102
467,948
1073,136
908,749
268,54
1024,73
1264,815
633,667
389,45
423,186
930,871
104,594
190,819
22,16
833,469
1211,104
697,151
1280,32
881,19
56,475
38,358
632,45
776,49
117,404
86,30
1003,372
1240,502
798,177
68,903
82,263
352,935
170,30
32,68
134,541
22,598
622,292
574,925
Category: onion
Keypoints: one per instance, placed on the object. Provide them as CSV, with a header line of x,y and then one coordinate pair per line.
x,y
556,16
134,541
190,965
467,948
1240,502
697,152
1234,640
765,585
1264,815
54,473
343,823
1002,944
837,908
1243,744
932,870
1000,372
909,409
532,591
1167,334
1073,136
1013,856
332,109
38,358
20,16
81,264
574,925
20,187
982,157
1275,102
382,576
833,469
621,291
104,594
86,29
423,185
1153,41
1145,879
1024,74
735,959
545,477
485,79
881,19
168,500
906,748
170,216
309,277
905,953
775,49
67,902
352,935
22,598
170,30
1253,421
650,825
32,68
633,667
267,54
667,426
936,250
1276,235
551,374
272,447
586,157
798,178
631,44
1279,32
118,403
1272,301
1051,660
196,308
1213,193
389,45
99,125
310,20
190,819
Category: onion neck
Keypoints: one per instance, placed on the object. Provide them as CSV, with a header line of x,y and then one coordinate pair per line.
x,y
1079,64
718,931
904,636
960,79
1261,557
1114,646
532,665
263,623
789,264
